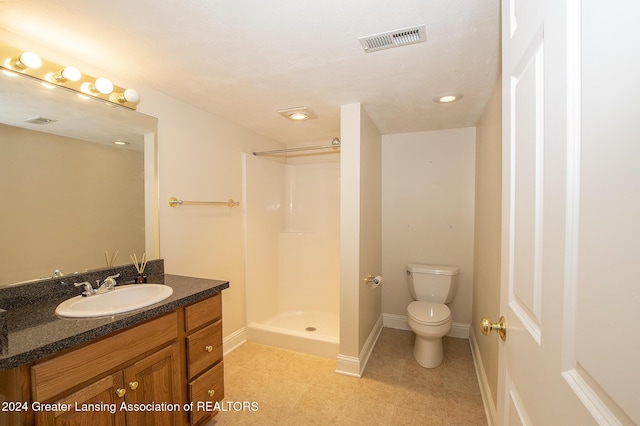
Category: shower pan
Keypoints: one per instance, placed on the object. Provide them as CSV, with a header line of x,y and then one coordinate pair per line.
x,y
292,272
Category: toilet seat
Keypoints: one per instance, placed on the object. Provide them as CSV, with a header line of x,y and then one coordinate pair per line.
x,y
429,313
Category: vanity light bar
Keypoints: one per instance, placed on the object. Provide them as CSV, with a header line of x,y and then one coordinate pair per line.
x,y
64,76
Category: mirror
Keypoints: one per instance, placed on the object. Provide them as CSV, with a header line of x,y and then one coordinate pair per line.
x,y
69,194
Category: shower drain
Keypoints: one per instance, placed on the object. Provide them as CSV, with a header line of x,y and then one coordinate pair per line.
x,y
310,329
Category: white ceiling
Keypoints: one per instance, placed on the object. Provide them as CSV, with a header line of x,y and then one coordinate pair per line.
x,y
247,59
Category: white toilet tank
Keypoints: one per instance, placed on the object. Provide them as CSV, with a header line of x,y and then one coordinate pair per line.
x,y
432,283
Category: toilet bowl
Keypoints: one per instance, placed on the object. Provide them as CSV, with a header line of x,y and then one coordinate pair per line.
x,y
431,286
430,322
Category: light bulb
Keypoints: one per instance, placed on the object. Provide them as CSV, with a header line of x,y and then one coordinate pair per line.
x,y
67,74
27,60
129,95
103,85
448,98
298,116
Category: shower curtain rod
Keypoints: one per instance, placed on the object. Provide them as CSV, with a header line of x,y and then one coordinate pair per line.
x,y
335,143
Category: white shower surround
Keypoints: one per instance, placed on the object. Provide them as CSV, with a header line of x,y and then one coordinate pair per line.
x,y
292,272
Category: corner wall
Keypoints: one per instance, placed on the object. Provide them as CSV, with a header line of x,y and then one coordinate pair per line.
x,y
486,276
427,216
199,158
360,238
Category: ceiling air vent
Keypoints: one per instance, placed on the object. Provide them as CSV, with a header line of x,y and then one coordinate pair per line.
x,y
40,120
396,38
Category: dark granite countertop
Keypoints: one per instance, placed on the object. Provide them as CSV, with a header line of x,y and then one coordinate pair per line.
x,y
34,331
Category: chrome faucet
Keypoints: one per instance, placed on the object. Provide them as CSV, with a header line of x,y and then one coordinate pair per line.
x,y
88,289
108,284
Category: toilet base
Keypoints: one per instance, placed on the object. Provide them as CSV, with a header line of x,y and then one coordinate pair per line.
x,y
428,352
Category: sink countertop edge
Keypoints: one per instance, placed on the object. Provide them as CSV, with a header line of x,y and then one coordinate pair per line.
x,y
55,334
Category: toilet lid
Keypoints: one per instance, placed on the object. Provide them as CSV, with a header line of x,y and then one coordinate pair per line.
x,y
429,313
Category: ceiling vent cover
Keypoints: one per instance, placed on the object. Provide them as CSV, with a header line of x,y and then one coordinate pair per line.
x,y
397,38
40,120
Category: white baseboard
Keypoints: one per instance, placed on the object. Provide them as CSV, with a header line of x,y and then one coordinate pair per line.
x,y
232,341
348,365
485,392
459,330
399,322
354,366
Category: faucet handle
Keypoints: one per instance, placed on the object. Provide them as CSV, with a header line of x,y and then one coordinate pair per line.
x,y
112,277
88,288
109,282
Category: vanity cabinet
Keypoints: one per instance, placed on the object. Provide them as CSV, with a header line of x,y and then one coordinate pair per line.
x,y
205,371
147,363
166,364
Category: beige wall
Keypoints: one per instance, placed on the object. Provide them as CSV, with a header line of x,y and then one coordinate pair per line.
x,y
427,215
360,239
370,306
486,276
44,227
200,158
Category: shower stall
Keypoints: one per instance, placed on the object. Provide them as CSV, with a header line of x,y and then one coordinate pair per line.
x,y
292,243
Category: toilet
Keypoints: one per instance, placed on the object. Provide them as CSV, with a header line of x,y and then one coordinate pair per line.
x,y
432,287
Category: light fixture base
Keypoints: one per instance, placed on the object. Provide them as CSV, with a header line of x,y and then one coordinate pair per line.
x,y
447,98
59,76
301,113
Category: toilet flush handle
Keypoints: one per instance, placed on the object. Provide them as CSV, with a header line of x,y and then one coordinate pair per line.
x,y
486,326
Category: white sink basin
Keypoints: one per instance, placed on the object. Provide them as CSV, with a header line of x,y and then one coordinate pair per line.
x,y
122,299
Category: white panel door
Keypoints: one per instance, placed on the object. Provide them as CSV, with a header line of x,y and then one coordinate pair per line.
x,y
570,291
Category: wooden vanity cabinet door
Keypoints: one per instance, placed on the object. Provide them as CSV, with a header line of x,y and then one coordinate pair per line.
x,y
102,393
154,379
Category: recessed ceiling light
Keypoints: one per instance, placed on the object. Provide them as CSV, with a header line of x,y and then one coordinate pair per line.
x,y
447,98
121,143
298,116
301,113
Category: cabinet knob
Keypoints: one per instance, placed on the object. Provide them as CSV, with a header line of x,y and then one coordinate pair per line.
x,y
121,392
211,392
133,385
208,348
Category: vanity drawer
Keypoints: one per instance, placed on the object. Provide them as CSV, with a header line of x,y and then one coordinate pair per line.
x,y
207,388
204,348
203,312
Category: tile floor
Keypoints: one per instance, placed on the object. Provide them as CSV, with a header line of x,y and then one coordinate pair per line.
x,y
297,389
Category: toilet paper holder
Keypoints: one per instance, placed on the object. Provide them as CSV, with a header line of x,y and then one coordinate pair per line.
x,y
375,280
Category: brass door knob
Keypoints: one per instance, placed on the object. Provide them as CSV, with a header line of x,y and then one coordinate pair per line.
x,y
133,385
211,392
121,392
208,348
486,326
